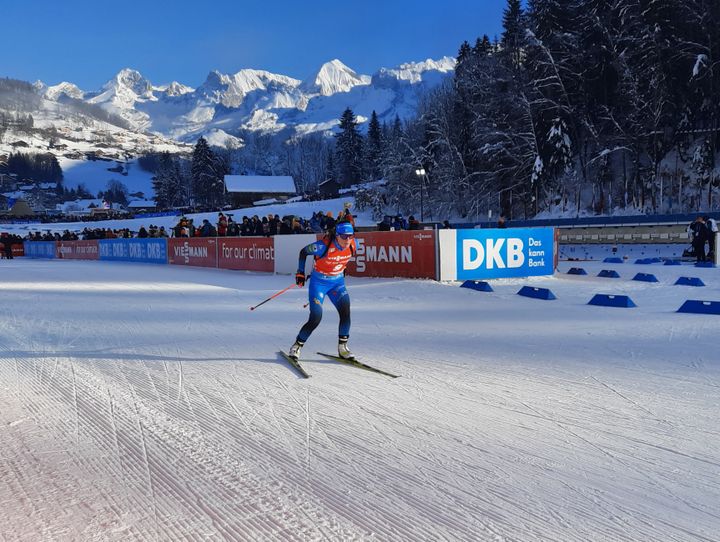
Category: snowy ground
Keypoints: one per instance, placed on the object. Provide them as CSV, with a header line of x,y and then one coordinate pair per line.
x,y
145,402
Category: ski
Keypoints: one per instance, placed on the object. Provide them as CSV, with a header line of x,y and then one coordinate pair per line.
x,y
358,364
295,364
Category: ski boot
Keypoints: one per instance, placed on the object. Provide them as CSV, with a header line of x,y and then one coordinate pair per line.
x,y
295,350
343,350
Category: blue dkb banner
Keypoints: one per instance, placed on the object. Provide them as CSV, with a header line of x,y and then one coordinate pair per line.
x,y
504,253
134,250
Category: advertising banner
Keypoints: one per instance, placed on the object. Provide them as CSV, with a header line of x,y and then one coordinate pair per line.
x,y
78,250
409,254
134,250
247,253
199,251
478,254
39,249
17,250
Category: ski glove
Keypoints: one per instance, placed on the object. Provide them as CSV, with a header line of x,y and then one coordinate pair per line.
x,y
300,279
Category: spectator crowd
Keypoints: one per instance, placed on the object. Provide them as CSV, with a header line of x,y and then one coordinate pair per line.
x,y
226,226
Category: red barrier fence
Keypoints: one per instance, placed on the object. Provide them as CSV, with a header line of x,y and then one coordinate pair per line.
x,y
247,253
409,254
196,251
18,249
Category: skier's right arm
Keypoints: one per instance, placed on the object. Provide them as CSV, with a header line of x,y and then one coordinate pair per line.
x,y
310,250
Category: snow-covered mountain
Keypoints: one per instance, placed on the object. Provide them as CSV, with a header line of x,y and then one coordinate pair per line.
x,y
258,100
97,136
333,77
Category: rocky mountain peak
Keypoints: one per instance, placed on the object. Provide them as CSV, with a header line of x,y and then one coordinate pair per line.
x,y
333,77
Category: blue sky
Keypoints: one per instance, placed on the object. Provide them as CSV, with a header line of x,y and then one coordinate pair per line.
x,y
88,42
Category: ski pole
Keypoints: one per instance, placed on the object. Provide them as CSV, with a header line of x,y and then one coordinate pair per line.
x,y
273,296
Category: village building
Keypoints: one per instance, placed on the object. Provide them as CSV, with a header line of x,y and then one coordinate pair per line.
x,y
247,190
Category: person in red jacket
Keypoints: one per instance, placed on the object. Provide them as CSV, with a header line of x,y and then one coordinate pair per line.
x,y
332,255
222,225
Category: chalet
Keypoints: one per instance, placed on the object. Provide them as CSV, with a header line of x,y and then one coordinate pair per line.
x,y
245,190
140,205
80,207
329,188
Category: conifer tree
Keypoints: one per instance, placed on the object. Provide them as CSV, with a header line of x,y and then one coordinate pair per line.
x,y
348,150
169,183
513,32
374,149
208,176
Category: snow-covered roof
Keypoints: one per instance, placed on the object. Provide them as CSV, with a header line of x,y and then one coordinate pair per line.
x,y
141,204
18,194
264,184
79,206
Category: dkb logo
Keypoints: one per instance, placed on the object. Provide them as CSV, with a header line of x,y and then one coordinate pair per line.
x,y
474,253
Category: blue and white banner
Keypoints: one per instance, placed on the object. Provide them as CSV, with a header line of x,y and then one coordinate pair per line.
x,y
480,254
134,250
40,249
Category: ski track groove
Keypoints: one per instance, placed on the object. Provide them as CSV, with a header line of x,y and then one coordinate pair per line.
x,y
155,439
200,420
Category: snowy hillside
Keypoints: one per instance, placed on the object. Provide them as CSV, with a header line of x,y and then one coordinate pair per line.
x,y
130,116
90,146
145,402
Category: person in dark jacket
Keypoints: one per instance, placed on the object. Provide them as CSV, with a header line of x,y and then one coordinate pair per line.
x,y
700,235
233,230
246,228
712,227
258,226
274,223
285,226
207,229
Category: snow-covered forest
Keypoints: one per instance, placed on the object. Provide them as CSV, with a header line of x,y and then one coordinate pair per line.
x,y
578,107
581,106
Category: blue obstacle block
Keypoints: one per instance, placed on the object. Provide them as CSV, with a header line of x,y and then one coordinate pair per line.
x,y
607,300
672,262
479,285
613,260
577,271
704,264
700,307
689,281
537,293
643,261
609,274
655,260
645,277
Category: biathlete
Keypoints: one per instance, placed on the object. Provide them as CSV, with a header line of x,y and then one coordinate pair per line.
x,y
327,279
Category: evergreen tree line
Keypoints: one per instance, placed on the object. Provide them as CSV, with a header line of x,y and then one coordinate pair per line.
x,y
16,95
18,121
198,182
581,105
40,167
